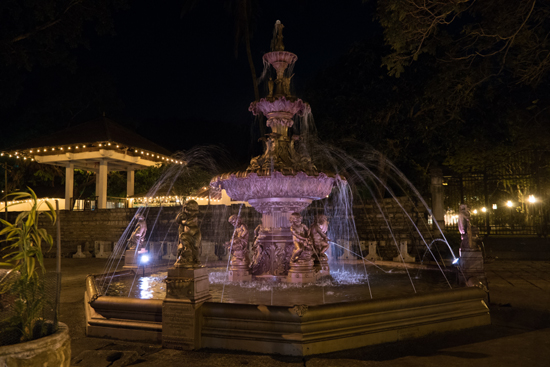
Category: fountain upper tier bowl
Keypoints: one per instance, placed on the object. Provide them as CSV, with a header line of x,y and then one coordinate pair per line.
x,y
245,186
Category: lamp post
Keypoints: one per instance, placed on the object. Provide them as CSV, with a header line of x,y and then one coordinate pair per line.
x,y
509,204
532,200
6,190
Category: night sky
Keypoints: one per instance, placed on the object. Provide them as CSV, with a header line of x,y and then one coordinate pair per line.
x,y
178,78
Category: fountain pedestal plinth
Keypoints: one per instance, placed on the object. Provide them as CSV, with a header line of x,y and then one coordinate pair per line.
x,y
131,258
301,271
239,272
187,288
471,265
321,267
188,284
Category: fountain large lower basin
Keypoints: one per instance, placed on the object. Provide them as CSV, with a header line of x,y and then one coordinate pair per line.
x,y
271,326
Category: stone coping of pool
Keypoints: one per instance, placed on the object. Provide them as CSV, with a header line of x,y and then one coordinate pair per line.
x,y
299,330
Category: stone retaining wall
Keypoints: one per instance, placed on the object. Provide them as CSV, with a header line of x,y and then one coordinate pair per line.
x,y
85,227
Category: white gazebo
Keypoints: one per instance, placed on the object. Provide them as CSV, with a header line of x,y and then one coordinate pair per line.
x,y
100,146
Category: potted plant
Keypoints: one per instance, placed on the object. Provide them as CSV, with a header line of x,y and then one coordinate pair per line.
x,y
24,290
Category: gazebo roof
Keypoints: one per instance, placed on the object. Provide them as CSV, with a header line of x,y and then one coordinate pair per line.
x,y
101,129
85,144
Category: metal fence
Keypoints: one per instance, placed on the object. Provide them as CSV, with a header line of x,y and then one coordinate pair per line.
x,y
508,198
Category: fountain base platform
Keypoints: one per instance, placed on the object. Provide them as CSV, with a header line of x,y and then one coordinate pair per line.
x,y
299,330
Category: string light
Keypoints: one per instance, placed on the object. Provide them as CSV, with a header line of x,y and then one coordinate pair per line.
x,y
62,148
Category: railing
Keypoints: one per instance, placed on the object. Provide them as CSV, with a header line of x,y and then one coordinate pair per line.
x,y
84,204
92,203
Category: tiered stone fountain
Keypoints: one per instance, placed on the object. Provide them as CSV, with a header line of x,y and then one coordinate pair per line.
x,y
281,181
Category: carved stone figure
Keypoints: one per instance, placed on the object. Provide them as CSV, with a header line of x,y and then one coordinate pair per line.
x,y
189,234
137,237
277,43
465,228
257,247
270,85
286,85
318,237
239,243
302,249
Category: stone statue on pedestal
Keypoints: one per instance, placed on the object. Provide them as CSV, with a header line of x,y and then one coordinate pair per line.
x,y
318,237
189,234
467,235
257,247
302,248
239,243
137,237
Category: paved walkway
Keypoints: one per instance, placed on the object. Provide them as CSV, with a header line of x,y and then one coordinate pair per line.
x,y
519,334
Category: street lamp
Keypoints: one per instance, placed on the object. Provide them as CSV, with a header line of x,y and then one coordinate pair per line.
x,y
509,204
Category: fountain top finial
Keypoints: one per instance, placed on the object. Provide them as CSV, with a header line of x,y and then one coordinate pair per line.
x,y
277,41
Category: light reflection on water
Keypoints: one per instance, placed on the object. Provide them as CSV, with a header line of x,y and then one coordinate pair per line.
x,y
345,285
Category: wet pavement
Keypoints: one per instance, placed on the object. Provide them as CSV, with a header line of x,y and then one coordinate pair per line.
x,y
519,334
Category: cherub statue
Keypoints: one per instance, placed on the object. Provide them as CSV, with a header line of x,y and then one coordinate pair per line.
x,y
239,243
257,247
300,233
318,237
137,237
189,234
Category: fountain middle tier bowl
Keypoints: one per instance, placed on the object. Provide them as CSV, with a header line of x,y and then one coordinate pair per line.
x,y
245,186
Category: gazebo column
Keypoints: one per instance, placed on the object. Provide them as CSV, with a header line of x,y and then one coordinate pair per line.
x,y
130,174
69,185
101,185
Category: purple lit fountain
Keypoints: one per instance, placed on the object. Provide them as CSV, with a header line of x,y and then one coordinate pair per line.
x,y
281,181
316,314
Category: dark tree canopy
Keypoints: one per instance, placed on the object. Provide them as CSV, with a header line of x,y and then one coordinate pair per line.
x,y
493,36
